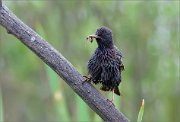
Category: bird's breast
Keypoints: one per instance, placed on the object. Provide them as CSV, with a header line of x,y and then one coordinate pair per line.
x,y
105,54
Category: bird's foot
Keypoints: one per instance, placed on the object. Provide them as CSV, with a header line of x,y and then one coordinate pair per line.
x,y
87,79
111,101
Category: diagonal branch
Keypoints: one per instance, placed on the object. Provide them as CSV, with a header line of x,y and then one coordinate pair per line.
x,y
60,65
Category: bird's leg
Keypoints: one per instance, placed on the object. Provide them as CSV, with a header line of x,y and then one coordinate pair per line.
x,y
87,79
112,100
112,96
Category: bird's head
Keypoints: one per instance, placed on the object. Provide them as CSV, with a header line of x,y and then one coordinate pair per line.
x,y
103,37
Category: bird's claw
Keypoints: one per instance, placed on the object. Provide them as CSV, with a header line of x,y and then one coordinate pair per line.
x,y
87,79
111,101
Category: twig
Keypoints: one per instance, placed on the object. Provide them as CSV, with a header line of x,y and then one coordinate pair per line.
x,y
60,65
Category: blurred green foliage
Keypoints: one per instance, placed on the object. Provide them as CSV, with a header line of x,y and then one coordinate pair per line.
x,y
146,32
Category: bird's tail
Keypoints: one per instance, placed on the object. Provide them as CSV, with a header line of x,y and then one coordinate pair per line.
x,y
116,91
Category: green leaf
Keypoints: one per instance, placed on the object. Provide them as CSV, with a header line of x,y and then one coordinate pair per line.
x,y
141,111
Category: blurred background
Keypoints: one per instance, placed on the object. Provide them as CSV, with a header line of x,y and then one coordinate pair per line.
x,y
146,32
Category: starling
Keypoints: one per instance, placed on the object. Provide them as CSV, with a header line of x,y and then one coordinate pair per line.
x,y
105,65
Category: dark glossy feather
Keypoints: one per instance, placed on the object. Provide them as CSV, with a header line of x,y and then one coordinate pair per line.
x,y
105,65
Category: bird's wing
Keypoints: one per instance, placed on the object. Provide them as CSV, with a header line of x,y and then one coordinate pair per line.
x,y
119,58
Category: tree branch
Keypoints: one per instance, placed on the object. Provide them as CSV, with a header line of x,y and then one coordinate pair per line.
x,y
60,65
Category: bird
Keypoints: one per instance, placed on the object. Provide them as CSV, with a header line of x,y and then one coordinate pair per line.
x,y
105,65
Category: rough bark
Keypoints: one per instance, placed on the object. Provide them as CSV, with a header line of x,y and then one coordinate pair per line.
x,y
60,65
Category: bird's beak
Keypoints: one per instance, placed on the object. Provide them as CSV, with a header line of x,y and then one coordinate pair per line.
x,y
91,37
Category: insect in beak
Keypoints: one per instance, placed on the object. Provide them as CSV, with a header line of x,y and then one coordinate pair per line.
x,y
91,37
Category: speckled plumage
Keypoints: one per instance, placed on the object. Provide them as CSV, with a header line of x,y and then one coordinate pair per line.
x,y
105,65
